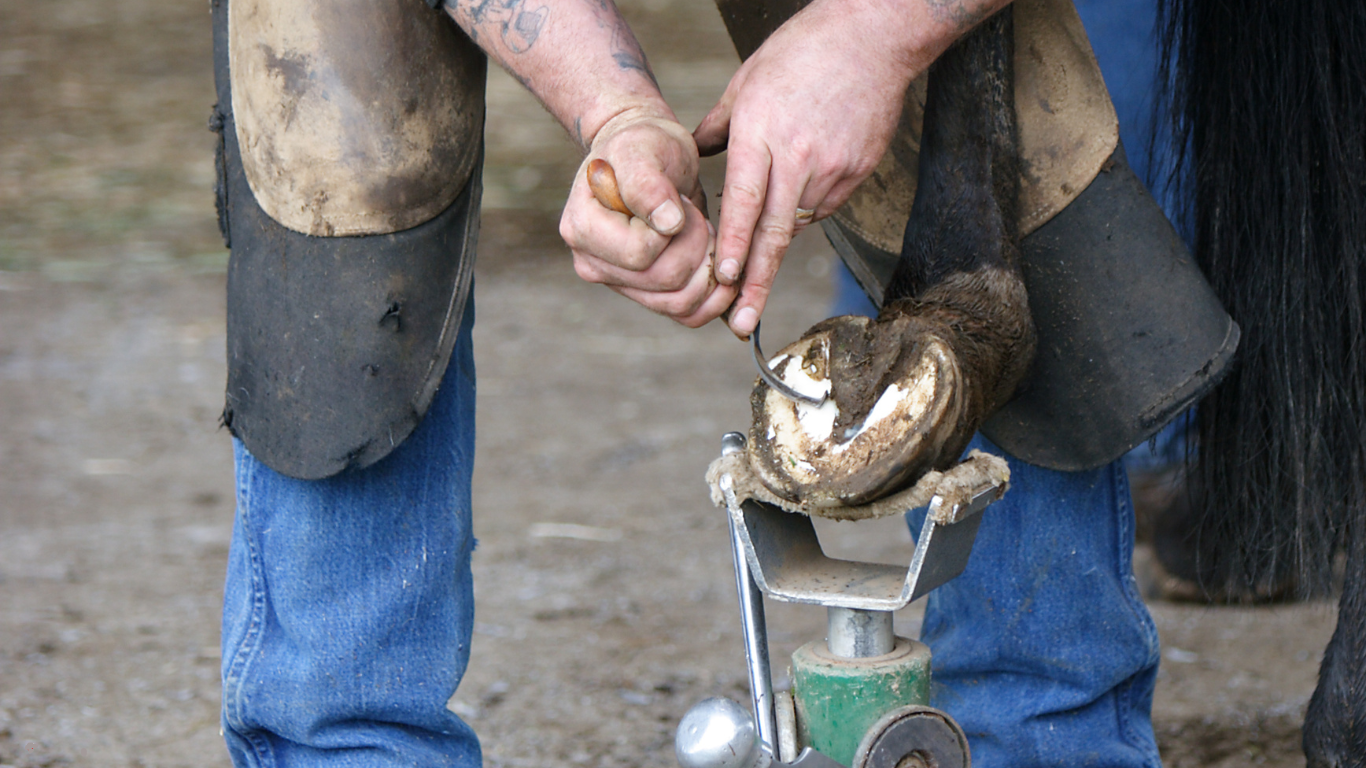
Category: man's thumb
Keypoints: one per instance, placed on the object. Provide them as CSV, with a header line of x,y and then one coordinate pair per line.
x,y
713,132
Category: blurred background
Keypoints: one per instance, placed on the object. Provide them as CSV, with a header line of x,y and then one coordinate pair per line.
x,y
606,604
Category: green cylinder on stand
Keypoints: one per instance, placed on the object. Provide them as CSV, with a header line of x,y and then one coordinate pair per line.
x,y
838,699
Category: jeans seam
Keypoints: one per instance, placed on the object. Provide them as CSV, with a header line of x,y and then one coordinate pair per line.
x,y
242,656
1125,691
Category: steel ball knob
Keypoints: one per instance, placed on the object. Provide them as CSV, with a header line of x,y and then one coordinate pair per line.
x,y
718,733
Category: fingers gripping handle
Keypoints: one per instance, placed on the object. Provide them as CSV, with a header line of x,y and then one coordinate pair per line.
x,y
602,179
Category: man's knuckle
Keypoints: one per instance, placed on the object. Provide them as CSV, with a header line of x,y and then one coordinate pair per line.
x,y
585,270
733,237
742,192
657,307
679,305
831,168
774,229
862,166
800,151
641,260
677,276
696,305
755,294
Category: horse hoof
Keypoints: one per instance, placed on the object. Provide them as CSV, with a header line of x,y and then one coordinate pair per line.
x,y
895,400
905,392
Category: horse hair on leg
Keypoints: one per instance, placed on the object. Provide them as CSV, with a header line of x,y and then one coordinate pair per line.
x,y
954,337
1335,725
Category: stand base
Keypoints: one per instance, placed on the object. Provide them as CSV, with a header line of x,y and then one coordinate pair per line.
x,y
838,700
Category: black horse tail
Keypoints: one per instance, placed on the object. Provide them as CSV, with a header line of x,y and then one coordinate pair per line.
x,y
1267,100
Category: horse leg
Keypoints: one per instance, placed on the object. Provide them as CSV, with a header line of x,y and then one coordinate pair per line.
x,y
1335,725
954,337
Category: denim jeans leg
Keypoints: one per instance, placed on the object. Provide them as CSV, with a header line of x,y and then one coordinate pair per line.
x,y
348,605
1043,650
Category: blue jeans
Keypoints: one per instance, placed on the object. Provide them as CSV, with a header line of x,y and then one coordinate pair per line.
x,y
1043,649
348,605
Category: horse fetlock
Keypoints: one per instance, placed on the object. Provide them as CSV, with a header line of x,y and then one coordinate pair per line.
x,y
992,329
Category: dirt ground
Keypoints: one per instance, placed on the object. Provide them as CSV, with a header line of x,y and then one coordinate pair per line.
x,y
115,483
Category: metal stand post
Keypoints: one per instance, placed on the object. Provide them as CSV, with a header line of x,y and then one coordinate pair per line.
x,y
752,624
852,633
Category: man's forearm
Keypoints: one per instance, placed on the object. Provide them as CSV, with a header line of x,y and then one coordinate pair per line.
x,y
578,57
913,33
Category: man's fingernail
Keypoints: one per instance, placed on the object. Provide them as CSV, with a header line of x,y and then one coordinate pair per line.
x,y
666,217
730,269
746,320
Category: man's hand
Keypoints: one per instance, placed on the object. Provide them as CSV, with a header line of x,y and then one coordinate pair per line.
x,y
804,121
584,64
808,117
661,255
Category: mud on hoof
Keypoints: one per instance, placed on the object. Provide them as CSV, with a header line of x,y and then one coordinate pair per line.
x,y
906,391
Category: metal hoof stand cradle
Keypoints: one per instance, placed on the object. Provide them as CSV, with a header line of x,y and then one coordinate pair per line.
x,y
859,698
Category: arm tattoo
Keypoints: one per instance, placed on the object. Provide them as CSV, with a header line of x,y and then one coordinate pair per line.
x,y
627,53
625,50
518,23
963,15
578,132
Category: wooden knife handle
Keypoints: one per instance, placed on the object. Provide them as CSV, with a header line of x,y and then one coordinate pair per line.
x,y
603,181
